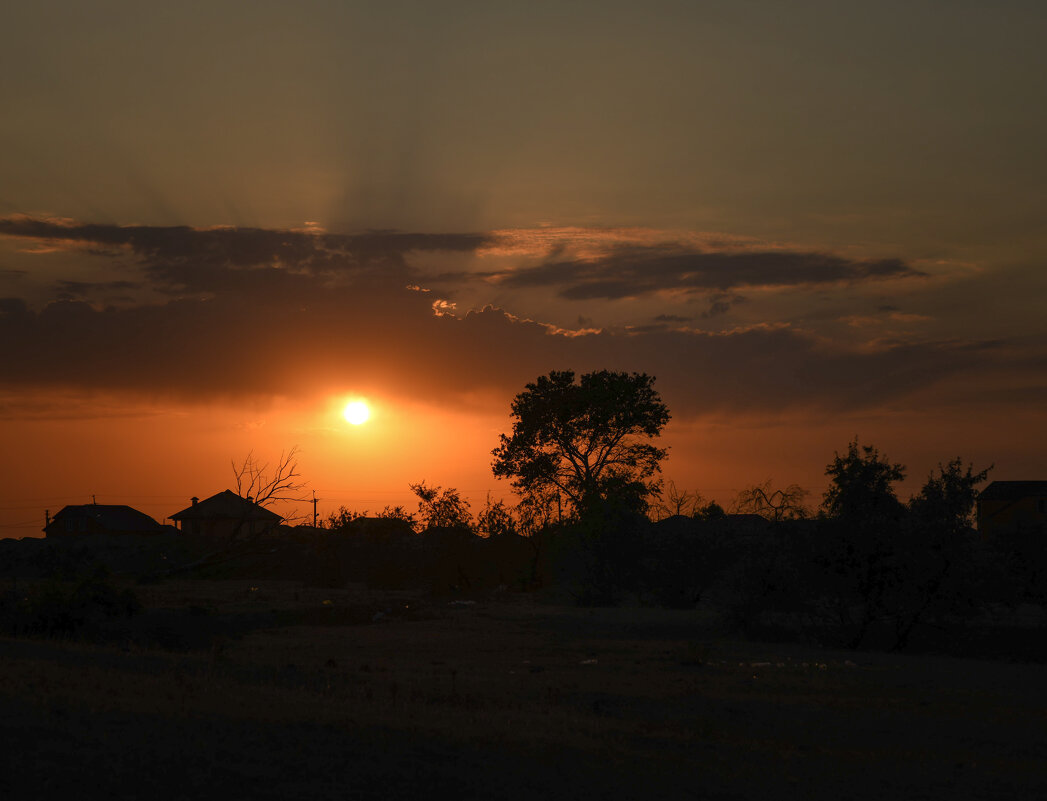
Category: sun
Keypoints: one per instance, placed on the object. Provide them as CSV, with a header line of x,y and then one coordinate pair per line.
x,y
356,412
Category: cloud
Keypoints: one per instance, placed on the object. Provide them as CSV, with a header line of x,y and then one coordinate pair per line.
x,y
301,344
73,290
184,259
263,313
633,271
721,303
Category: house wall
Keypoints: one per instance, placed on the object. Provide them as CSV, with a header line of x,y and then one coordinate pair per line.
x,y
1006,515
220,527
71,526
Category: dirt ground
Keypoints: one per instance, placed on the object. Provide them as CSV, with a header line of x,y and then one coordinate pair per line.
x,y
270,690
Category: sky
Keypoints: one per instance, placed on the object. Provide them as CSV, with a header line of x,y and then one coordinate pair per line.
x,y
221,221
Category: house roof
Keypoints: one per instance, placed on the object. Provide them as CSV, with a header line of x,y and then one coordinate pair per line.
x,y
1013,490
226,504
111,517
748,518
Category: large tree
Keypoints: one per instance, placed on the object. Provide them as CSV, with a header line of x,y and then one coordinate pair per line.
x,y
588,441
860,486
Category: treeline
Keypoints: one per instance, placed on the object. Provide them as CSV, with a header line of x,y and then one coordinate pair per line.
x,y
865,568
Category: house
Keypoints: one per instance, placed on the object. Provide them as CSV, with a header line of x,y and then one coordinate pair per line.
x,y
225,515
1006,506
100,518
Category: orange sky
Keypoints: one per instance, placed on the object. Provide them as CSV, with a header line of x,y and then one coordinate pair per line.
x,y
807,225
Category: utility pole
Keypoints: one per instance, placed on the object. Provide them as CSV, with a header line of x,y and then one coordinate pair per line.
x,y
314,508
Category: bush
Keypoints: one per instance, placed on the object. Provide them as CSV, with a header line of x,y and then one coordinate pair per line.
x,y
62,608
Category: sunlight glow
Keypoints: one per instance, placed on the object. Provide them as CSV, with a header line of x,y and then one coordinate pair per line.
x,y
356,412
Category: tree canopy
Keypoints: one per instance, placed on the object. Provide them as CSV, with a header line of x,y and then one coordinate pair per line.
x,y
860,487
586,440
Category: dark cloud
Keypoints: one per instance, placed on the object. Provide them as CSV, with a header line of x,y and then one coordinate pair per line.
x,y
672,318
634,271
308,341
181,258
73,290
12,275
259,322
721,303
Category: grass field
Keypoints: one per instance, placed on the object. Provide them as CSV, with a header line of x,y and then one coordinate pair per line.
x,y
233,689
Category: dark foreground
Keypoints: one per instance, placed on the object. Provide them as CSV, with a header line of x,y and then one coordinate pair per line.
x,y
268,690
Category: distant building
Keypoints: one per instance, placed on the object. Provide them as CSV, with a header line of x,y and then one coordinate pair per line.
x,y
226,515
98,518
380,529
1009,505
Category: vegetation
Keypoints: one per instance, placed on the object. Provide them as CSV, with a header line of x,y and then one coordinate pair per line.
x,y
774,504
57,608
587,441
266,485
441,508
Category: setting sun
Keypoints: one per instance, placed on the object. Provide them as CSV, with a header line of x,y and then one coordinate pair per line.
x,y
356,412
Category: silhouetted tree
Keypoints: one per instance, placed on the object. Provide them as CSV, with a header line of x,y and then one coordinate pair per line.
x,y
938,569
341,519
774,504
255,481
710,511
947,500
538,510
859,554
398,512
860,485
675,501
495,519
587,440
441,508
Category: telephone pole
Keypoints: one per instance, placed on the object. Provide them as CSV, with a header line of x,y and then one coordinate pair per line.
x,y
314,508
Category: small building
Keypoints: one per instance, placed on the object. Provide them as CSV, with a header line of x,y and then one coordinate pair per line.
x,y
380,529
226,515
1006,506
100,518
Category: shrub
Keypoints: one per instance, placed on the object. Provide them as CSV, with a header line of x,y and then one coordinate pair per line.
x,y
62,608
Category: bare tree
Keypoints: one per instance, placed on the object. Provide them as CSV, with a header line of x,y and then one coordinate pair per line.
x,y
256,482
774,504
677,502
